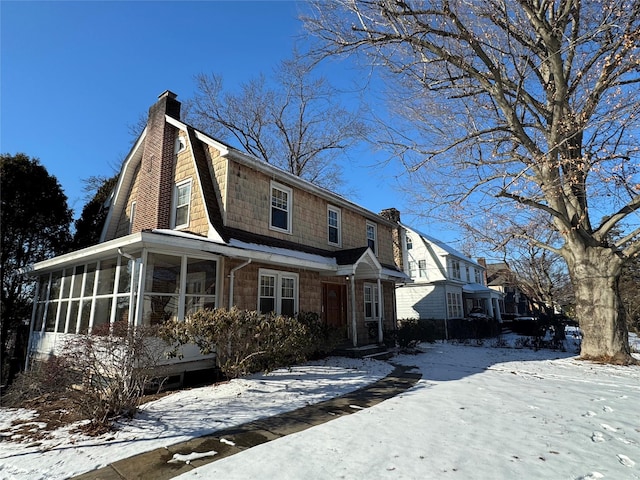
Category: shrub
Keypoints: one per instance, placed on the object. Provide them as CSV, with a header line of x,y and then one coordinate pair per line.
x,y
247,341
114,364
51,378
103,375
413,331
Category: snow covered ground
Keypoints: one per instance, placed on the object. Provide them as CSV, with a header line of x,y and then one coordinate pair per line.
x,y
479,412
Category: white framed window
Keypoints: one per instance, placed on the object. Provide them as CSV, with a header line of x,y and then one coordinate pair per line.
x,y
422,268
371,302
372,237
132,216
182,204
281,208
454,268
334,226
412,269
478,275
409,243
454,305
278,292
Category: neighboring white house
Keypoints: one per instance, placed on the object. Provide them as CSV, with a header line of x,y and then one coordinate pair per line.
x,y
446,284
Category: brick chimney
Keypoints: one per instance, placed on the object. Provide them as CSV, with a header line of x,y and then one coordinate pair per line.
x,y
398,240
155,184
483,262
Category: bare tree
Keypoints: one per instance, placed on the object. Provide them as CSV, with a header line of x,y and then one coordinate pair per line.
x,y
523,106
542,276
294,121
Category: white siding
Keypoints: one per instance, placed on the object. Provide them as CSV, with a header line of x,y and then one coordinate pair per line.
x,y
421,301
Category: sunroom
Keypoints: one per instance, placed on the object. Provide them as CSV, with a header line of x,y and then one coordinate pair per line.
x,y
141,279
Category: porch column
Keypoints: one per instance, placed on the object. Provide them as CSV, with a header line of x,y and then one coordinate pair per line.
x,y
354,327
381,314
490,307
497,308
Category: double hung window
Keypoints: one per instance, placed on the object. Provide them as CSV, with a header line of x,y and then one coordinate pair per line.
x,y
280,212
182,204
333,226
372,241
371,302
278,292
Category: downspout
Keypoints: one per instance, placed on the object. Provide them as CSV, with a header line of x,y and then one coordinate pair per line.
x,y
232,276
381,312
354,328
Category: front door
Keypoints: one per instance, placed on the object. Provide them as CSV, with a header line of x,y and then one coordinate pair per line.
x,y
334,306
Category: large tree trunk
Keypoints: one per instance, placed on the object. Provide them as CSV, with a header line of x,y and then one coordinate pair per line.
x,y
595,273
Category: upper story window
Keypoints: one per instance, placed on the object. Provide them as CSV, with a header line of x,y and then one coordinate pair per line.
x,y
334,226
182,204
409,243
422,267
412,269
478,275
372,234
281,203
132,216
454,268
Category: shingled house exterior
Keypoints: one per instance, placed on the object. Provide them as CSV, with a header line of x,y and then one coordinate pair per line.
x,y
194,223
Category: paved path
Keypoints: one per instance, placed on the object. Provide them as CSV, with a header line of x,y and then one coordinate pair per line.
x,y
154,465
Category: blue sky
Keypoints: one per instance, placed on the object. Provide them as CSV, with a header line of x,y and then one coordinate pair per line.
x,y
76,75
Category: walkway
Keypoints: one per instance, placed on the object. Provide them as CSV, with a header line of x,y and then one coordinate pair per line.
x,y
154,465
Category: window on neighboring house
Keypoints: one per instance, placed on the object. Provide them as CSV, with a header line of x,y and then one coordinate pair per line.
x,y
278,292
454,268
409,244
412,269
281,198
333,225
478,275
422,267
372,237
182,204
454,305
132,216
371,302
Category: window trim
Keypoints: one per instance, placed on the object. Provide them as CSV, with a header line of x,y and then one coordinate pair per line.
x,y
374,228
454,305
375,302
455,267
279,275
338,227
175,206
289,210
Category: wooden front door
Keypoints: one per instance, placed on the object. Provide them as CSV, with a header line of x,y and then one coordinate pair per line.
x,y
334,306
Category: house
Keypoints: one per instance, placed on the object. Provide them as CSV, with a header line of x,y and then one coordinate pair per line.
x,y
445,284
194,223
502,279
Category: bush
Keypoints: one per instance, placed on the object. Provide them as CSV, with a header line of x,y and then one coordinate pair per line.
x,y
413,331
51,378
247,341
103,375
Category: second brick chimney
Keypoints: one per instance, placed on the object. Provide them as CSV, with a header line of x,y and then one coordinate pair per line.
x,y
393,214
155,187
